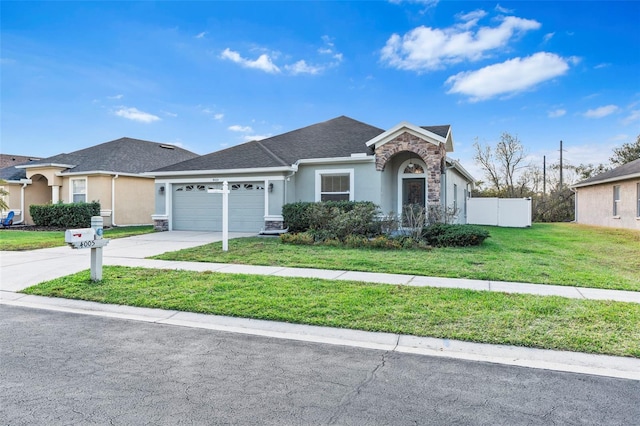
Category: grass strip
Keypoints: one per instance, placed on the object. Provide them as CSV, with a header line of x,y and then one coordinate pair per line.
x,y
561,254
588,326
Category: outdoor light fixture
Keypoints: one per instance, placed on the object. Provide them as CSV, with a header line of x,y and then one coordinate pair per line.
x,y
270,187
161,189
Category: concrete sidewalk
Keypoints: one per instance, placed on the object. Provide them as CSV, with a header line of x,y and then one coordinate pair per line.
x,y
19,270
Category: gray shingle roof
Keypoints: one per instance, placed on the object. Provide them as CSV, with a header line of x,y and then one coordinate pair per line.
x,y
339,137
619,173
438,130
124,155
11,173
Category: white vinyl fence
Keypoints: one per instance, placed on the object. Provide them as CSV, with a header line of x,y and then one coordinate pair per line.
x,y
505,212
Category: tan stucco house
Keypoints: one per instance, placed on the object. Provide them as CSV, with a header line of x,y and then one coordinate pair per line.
x,y
110,173
611,198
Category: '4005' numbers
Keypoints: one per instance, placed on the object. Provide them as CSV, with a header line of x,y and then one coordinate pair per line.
x,y
87,244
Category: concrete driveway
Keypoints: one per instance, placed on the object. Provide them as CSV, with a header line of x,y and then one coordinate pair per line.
x,y
22,269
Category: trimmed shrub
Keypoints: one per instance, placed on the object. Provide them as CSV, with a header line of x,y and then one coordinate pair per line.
x,y
296,216
444,235
72,215
302,216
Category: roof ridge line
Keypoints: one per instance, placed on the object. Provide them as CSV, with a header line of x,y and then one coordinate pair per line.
x,y
271,153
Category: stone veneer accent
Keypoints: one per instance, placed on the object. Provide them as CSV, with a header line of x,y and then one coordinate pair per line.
x,y
432,155
161,224
273,225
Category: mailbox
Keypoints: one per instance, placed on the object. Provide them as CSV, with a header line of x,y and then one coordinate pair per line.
x,y
77,235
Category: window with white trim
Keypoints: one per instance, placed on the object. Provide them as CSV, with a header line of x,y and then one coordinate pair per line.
x,y
334,185
638,197
455,199
616,200
79,190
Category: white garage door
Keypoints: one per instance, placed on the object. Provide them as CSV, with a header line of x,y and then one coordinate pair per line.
x,y
194,209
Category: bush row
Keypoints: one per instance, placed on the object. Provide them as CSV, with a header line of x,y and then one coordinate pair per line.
x,y
73,215
359,224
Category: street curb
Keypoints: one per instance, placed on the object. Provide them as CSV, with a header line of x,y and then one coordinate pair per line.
x,y
572,362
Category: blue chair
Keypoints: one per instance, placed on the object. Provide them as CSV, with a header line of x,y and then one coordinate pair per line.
x,y
8,221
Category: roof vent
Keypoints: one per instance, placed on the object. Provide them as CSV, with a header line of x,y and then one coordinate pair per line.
x,y
167,146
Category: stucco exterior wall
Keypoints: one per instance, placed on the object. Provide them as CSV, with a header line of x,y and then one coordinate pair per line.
x,y
38,192
134,201
454,179
12,199
595,205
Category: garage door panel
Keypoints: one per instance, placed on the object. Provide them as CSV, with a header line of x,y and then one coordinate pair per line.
x,y
195,209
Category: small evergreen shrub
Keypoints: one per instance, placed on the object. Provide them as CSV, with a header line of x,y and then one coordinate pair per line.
x,y
446,235
296,216
71,215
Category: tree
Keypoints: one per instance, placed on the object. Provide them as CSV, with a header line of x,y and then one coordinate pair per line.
x,y
502,164
3,193
626,153
586,171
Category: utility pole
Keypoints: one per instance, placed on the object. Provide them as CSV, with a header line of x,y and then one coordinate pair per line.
x,y
544,176
561,165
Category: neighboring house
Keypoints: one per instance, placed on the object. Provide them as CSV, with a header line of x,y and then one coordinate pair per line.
x,y
110,173
611,198
339,159
7,160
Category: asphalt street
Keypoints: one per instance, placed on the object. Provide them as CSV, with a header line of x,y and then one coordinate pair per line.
x,y
61,368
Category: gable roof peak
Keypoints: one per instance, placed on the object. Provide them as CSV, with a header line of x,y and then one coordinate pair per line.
x,y
433,134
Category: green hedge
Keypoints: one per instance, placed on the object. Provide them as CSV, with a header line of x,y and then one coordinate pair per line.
x,y
298,216
446,235
73,215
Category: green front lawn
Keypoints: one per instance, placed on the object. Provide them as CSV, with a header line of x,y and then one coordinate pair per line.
x,y
513,319
15,239
561,253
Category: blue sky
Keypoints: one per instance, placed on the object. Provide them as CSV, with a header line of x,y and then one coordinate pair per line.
x,y
208,75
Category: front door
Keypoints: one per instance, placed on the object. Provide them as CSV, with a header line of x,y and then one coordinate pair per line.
x,y
413,191
413,202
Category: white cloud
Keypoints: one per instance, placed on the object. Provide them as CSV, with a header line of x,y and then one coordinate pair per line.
x,y
548,36
263,62
633,116
557,113
119,96
238,128
602,65
218,117
329,49
248,138
470,19
426,48
136,115
202,34
170,114
503,9
602,111
301,67
509,77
